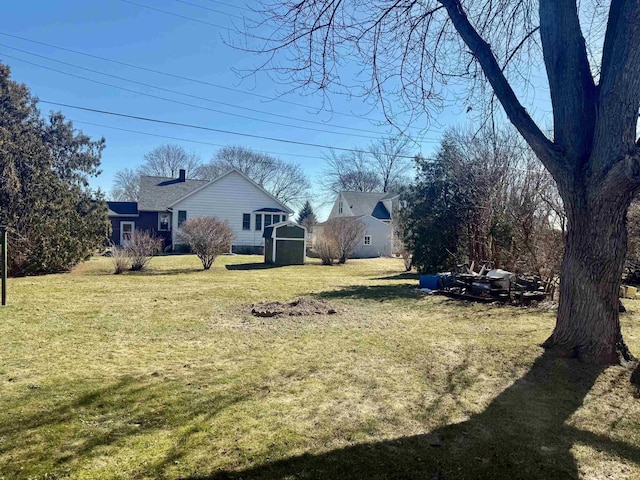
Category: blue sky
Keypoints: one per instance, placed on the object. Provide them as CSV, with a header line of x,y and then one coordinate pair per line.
x,y
195,48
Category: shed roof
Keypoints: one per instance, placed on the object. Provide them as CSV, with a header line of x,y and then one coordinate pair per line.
x,y
268,231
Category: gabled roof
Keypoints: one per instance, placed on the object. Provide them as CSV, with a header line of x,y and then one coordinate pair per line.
x,y
381,212
119,209
362,203
158,193
206,184
268,231
369,203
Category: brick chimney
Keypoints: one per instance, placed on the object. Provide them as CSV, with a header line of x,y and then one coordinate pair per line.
x,y
183,175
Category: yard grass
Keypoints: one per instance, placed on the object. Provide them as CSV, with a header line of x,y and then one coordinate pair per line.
x,y
166,374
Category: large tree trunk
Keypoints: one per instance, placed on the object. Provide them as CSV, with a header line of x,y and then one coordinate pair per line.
x,y
588,326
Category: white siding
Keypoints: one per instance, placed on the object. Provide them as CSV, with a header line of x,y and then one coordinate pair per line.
x,y
227,199
381,237
335,211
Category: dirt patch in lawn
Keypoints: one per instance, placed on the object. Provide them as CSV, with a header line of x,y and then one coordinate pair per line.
x,y
303,306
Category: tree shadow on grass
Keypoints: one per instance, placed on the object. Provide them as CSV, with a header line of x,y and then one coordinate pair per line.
x,y
373,292
110,415
522,434
252,266
401,276
161,273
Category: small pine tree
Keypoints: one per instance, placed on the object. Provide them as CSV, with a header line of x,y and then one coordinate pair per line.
x,y
307,217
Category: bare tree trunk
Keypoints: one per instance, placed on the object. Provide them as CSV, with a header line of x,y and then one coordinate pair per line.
x,y
588,326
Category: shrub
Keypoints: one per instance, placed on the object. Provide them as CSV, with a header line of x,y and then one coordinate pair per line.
x,y
141,248
207,237
345,234
120,259
326,250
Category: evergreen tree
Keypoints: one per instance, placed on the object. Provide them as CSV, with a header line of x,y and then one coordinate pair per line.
x,y
307,217
435,214
54,220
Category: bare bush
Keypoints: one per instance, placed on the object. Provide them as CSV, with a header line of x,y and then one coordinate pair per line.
x,y
326,250
141,248
120,259
207,237
345,233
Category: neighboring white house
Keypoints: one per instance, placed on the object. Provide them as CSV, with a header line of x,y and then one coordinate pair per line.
x,y
376,241
234,197
376,211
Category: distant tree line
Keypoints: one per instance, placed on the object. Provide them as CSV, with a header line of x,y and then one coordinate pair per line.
x,y
286,181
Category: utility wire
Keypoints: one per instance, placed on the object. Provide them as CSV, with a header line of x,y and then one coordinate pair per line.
x,y
181,77
233,15
201,107
177,15
254,110
209,129
186,139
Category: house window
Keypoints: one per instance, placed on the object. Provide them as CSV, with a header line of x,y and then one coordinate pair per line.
x,y
246,221
182,217
276,219
258,221
284,218
164,221
340,207
267,219
367,239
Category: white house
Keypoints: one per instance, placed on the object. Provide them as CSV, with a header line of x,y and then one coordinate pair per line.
x,y
376,211
376,241
164,203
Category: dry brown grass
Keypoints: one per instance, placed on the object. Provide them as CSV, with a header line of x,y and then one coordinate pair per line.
x,y
166,374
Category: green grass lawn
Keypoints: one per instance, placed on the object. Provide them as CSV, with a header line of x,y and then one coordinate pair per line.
x,y
166,374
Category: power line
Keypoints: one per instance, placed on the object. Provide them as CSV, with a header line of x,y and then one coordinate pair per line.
x,y
233,15
178,102
181,77
168,137
209,129
176,15
254,110
239,7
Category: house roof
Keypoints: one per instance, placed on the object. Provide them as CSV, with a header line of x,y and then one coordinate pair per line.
x,y
268,210
118,209
158,193
381,212
233,170
362,203
369,203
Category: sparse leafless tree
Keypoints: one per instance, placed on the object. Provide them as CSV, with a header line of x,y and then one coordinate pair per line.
x,y
167,160
415,54
207,237
286,181
163,161
349,171
126,185
392,161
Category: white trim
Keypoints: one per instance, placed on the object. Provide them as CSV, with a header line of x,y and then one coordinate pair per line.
x,y
286,209
133,227
168,223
